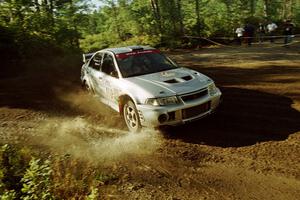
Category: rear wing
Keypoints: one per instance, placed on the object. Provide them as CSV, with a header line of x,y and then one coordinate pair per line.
x,y
86,57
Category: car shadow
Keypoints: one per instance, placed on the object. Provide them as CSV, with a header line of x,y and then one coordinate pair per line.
x,y
244,118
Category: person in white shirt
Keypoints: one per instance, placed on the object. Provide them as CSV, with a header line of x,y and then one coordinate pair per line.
x,y
239,31
271,27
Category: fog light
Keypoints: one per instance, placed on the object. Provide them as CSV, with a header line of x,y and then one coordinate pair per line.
x,y
162,118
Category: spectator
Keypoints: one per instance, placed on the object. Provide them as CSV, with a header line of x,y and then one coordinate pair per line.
x,y
261,32
271,27
288,31
239,31
249,31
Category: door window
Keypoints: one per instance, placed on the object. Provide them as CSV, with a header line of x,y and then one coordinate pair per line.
x,y
95,63
108,66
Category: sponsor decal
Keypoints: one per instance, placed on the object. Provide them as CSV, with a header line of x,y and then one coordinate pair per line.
x,y
167,74
136,53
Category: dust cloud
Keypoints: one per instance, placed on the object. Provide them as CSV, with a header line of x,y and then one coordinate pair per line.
x,y
89,106
95,132
82,100
85,140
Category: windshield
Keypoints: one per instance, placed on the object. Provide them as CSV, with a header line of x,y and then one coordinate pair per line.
x,y
135,64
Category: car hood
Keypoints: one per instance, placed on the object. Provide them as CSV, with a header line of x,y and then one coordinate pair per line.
x,y
171,82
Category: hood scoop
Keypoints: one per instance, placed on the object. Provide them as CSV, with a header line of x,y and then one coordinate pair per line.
x,y
172,81
187,78
179,80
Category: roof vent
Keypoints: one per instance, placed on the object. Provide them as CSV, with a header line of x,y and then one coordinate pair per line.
x,y
135,48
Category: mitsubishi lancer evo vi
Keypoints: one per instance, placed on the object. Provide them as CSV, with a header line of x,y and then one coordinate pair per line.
x,y
147,88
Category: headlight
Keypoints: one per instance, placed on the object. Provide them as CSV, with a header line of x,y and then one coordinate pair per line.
x,y
162,101
212,89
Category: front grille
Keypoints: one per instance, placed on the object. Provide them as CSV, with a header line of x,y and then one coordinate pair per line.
x,y
195,111
171,116
194,96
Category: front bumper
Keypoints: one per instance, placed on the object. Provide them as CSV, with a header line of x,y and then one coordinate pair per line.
x,y
154,116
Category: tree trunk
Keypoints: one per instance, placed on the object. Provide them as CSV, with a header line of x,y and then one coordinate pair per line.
x,y
37,6
156,13
252,7
288,9
181,28
197,10
115,15
267,9
74,24
51,12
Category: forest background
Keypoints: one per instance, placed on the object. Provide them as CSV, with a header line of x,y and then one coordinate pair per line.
x,y
47,28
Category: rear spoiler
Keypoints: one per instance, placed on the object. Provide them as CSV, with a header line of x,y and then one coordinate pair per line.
x,y
86,57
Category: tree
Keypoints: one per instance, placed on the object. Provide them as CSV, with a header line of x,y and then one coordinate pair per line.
x,y
181,27
197,10
45,27
156,14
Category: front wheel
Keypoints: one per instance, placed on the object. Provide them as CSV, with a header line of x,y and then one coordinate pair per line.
x,y
131,117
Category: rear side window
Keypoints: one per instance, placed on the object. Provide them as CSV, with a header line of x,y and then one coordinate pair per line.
x,y
108,65
95,63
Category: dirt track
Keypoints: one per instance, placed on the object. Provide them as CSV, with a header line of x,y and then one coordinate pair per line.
x,y
250,149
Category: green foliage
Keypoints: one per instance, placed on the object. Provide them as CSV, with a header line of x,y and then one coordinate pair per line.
x,y
94,195
8,195
153,40
25,177
19,182
220,23
42,28
97,41
162,23
33,28
12,167
37,181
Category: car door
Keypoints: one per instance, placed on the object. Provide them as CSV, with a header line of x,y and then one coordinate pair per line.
x,y
110,79
95,74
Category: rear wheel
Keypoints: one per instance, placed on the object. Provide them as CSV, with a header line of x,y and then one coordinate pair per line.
x,y
131,117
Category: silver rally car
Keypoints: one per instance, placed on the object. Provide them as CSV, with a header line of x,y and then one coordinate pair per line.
x,y
147,88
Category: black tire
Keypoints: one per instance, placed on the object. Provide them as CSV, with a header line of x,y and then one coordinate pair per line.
x,y
131,117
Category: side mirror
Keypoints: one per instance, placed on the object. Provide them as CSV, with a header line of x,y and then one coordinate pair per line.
x,y
114,74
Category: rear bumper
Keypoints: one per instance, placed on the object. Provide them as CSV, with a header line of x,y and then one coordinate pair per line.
x,y
154,116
